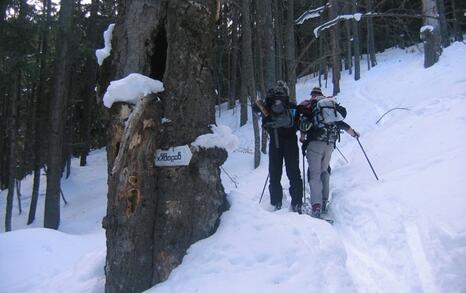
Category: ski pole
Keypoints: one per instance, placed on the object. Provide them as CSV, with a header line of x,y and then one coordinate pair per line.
x,y
304,178
357,138
342,154
263,189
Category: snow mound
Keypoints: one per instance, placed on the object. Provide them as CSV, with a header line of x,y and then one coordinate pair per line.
x,y
131,88
45,260
103,53
222,137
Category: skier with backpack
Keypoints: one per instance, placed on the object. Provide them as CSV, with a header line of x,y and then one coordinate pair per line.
x,y
279,118
321,119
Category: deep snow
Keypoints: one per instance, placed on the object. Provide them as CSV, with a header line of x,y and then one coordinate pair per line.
x,y
404,233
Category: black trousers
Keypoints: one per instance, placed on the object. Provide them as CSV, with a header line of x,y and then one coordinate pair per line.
x,y
289,152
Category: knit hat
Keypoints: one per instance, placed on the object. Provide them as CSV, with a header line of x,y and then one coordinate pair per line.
x,y
316,90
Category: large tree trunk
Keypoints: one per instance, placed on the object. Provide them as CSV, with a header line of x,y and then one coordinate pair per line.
x,y
57,118
290,45
155,214
431,37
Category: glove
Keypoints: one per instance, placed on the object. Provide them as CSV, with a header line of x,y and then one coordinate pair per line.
x,y
355,134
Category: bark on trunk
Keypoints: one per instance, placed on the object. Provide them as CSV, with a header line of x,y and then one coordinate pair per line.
x,y
456,25
370,38
246,58
234,64
57,118
431,37
278,26
39,109
356,45
90,72
155,213
290,50
14,96
443,26
268,42
334,35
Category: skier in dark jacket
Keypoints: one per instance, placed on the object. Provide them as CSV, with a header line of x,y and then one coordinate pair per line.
x,y
279,120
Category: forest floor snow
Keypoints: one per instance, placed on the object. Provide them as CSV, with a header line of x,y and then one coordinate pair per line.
x,y
403,233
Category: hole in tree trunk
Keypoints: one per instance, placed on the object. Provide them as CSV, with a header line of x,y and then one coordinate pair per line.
x,y
159,57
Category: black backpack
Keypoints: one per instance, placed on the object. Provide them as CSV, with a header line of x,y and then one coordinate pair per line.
x,y
281,115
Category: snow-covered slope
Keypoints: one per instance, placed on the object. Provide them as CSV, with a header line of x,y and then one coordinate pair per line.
x,y
403,233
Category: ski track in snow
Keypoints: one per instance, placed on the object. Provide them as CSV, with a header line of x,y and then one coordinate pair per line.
x,y
404,233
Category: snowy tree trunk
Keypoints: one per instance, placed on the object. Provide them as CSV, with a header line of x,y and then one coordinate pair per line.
x,y
57,119
430,33
155,213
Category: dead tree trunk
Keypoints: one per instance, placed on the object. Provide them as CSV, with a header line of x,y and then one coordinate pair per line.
x,y
155,213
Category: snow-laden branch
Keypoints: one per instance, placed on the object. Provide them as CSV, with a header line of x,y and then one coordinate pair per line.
x,y
311,13
103,53
330,23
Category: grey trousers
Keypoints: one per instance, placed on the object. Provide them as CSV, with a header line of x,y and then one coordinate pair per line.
x,y
318,157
